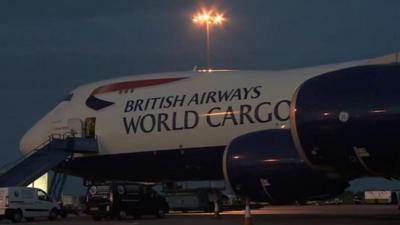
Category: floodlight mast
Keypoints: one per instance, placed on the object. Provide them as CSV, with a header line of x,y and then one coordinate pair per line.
x,y
208,18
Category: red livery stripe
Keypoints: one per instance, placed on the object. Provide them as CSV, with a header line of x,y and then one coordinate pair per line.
x,y
133,84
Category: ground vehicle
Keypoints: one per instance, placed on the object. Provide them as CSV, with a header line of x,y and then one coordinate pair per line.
x,y
17,203
70,205
120,199
196,199
335,201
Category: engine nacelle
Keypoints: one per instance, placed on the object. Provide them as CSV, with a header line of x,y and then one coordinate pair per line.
x,y
264,166
349,121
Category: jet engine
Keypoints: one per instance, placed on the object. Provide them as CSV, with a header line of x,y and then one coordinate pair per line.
x,y
349,121
264,166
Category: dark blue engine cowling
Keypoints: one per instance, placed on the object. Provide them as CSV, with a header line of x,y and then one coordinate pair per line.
x,y
264,166
349,120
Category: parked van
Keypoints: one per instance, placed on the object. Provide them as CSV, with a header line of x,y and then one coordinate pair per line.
x,y
120,199
17,203
196,199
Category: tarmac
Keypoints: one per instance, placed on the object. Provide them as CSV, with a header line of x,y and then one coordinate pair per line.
x,y
271,215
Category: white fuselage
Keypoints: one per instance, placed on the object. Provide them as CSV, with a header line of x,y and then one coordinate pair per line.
x,y
203,109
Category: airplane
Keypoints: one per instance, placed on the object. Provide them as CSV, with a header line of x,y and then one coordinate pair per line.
x,y
277,136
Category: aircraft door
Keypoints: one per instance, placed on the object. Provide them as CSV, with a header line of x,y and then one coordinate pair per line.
x,y
90,127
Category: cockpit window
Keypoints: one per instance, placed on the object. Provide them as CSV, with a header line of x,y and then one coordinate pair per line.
x,y
68,98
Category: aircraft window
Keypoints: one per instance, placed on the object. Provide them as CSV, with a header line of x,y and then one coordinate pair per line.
x,y
68,98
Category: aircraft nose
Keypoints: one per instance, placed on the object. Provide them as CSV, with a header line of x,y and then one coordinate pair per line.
x,y
32,139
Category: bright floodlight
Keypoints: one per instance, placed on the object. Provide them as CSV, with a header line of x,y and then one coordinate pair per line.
x,y
208,18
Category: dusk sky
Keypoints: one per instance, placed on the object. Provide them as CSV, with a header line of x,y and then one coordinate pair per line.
x,y
48,47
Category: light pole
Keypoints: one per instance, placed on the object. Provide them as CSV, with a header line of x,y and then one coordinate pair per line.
x,y
208,18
